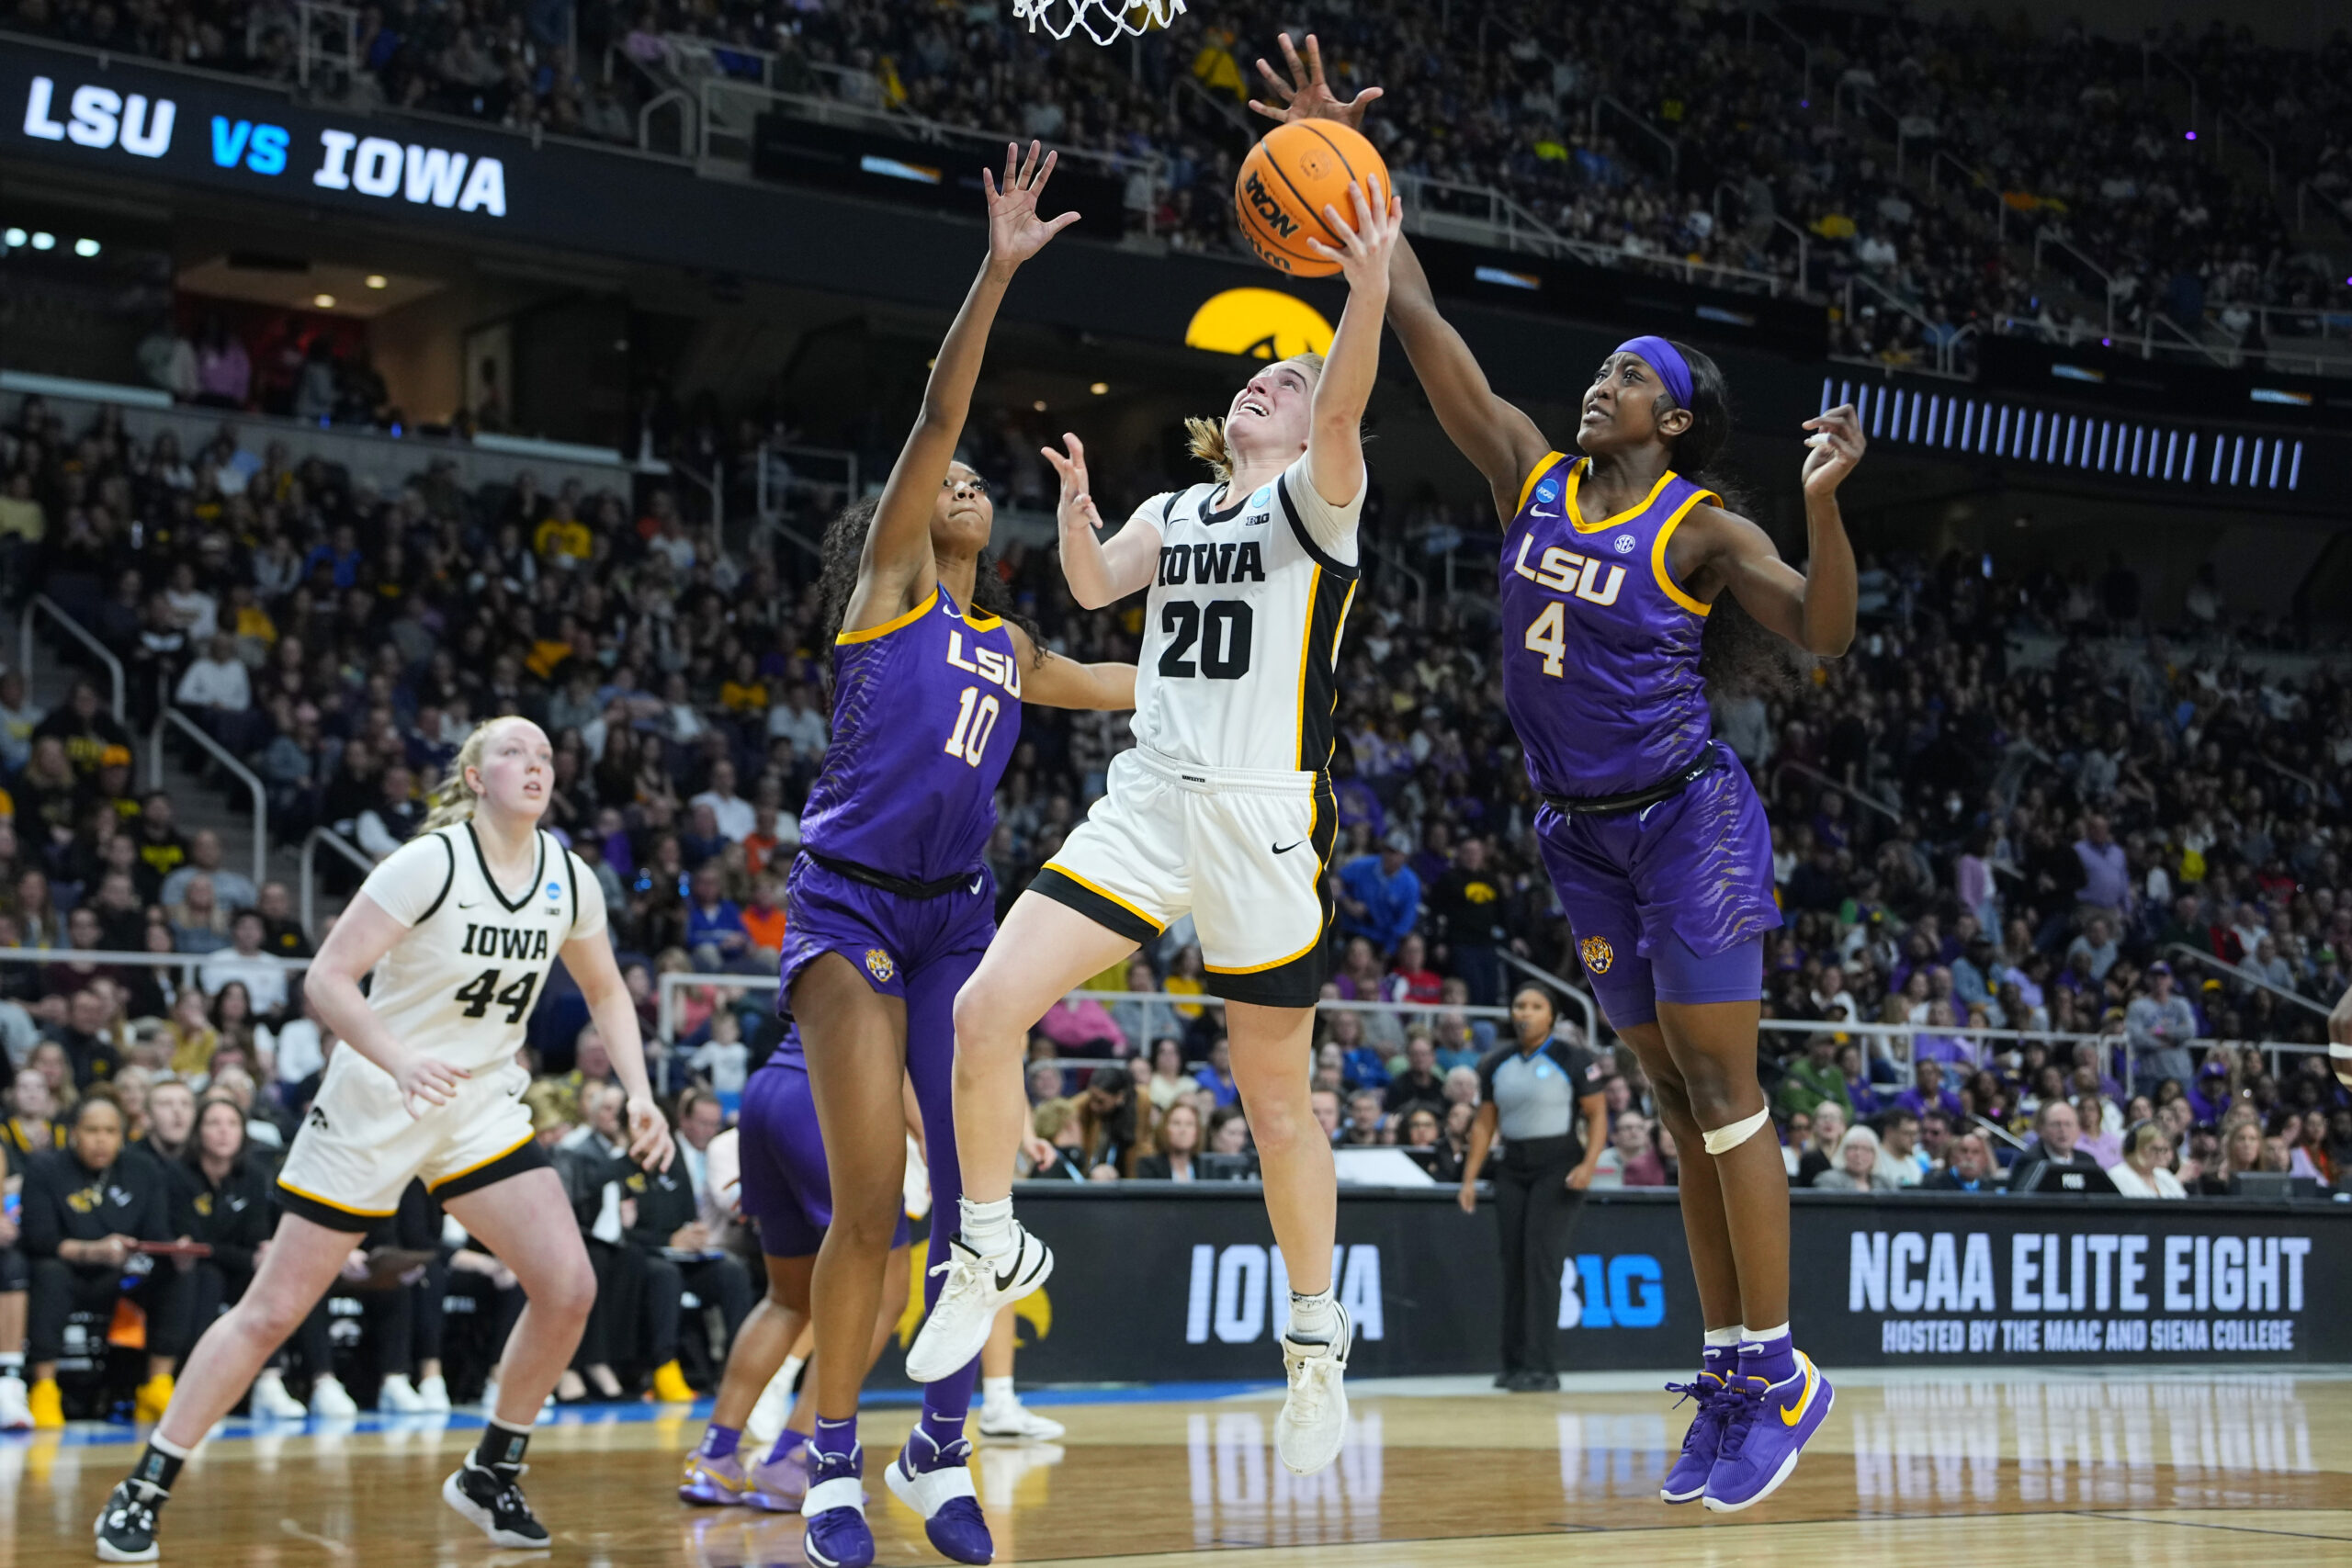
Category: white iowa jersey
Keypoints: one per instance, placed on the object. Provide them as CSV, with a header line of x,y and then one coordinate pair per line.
x,y
1242,627
461,983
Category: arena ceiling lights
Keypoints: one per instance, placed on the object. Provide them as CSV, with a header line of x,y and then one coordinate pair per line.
x,y
2019,432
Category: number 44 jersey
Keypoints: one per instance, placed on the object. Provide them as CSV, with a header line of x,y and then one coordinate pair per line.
x,y
1242,626
460,985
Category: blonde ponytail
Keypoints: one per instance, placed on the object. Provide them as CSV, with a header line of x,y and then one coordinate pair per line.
x,y
1204,438
454,800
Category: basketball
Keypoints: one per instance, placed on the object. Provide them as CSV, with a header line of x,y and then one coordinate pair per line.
x,y
1287,182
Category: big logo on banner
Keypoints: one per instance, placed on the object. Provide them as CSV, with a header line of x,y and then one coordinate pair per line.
x,y
99,118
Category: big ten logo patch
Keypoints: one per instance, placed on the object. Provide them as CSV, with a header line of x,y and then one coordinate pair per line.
x,y
1625,1291
1240,1294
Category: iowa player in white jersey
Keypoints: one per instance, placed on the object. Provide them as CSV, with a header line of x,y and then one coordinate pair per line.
x,y
1222,810
459,928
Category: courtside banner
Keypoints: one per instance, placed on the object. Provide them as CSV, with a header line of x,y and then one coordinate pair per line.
x,y
1159,1282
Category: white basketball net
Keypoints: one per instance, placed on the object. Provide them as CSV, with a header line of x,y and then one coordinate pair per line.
x,y
1105,21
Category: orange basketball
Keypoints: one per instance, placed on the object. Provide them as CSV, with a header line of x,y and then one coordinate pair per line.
x,y
1289,178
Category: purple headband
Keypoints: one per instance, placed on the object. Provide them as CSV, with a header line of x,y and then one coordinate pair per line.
x,y
1662,357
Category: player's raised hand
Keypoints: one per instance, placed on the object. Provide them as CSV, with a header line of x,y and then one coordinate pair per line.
x,y
1015,231
1307,96
428,1081
1366,244
1837,446
648,1134
1076,507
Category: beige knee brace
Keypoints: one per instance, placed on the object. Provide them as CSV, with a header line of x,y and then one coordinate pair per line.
x,y
1723,1140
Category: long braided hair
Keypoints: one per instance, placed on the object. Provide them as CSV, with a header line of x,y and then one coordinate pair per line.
x,y
1737,657
843,546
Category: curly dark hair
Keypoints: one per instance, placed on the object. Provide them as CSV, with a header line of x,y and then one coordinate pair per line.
x,y
843,546
1736,655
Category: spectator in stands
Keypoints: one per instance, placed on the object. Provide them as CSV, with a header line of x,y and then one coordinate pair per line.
x,y
1796,1134
2105,874
1378,898
1900,1154
2160,1025
394,816
1326,1105
1420,1083
1179,1141
171,1121
230,889
1366,1127
85,1209
1629,1161
679,1253
1928,1094
2142,1172
1969,1168
1215,1075
716,933
1820,1152
1814,1079
200,921
2056,1129
1859,1167
85,1038
216,692
730,812
1470,902
263,974
2240,1153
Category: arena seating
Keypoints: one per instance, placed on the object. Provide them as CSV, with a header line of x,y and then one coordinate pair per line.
x,y
1995,765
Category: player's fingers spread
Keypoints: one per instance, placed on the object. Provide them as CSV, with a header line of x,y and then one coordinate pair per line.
x,y
1056,225
988,183
1314,61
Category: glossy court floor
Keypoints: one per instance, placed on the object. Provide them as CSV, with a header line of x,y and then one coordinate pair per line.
x,y
1999,1468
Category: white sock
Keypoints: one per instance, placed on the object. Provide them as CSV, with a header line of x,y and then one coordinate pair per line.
x,y
987,1228
12,1364
1313,1318
161,1445
996,1390
1764,1336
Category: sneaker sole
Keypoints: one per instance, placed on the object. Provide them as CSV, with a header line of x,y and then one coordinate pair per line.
x,y
1666,1496
1338,1424
821,1561
921,1366
480,1518
116,1554
1788,1465
1023,1435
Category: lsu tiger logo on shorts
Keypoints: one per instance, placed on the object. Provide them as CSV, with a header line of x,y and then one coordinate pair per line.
x,y
1598,954
880,964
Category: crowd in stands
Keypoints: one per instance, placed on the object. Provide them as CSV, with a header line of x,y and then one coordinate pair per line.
x,y
2013,805
1680,137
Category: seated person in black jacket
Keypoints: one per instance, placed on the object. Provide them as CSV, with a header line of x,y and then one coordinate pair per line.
x,y
85,1207
593,1163
2057,1128
1969,1168
220,1196
15,1412
681,1254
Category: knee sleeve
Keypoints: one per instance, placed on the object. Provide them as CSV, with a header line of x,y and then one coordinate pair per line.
x,y
1723,1140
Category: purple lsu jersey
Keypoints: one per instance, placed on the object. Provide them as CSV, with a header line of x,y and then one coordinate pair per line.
x,y
926,712
1600,644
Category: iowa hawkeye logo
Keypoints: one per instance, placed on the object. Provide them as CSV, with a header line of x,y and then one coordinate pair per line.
x,y
503,941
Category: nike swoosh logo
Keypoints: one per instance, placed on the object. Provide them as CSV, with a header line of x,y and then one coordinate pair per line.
x,y
466,906
1539,512
1285,848
976,885
1004,1282
1791,1417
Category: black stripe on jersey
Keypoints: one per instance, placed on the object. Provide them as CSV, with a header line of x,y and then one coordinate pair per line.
x,y
1305,540
1318,676
1167,512
446,881
512,906
1051,884
571,874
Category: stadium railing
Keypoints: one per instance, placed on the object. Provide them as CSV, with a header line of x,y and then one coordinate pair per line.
x,y
311,843
168,717
1900,1039
41,606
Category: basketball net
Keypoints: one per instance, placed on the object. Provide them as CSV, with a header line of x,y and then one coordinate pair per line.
x,y
1105,21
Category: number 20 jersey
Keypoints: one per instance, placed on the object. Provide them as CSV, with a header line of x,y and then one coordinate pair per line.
x,y
926,712
461,983
1242,626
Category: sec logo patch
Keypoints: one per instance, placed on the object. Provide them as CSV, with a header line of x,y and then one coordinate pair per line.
x,y
880,964
1598,954
1624,544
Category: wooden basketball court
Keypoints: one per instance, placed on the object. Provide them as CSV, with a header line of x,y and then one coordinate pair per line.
x,y
2009,1468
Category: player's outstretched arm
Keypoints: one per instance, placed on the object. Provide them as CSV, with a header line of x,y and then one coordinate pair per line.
x,y
362,933
1054,681
1099,572
1814,609
1335,436
898,568
589,957
1502,443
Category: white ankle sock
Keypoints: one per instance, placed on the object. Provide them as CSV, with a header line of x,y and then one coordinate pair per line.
x,y
996,1390
987,1228
1313,1318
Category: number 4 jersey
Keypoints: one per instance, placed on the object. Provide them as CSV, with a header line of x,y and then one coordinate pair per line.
x,y
1242,627
460,984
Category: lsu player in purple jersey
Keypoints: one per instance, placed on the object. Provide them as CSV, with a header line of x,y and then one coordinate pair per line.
x,y
1612,562
891,905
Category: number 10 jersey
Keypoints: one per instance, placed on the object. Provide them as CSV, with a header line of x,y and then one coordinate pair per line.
x,y
1242,626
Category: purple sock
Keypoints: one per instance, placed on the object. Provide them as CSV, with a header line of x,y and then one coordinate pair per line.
x,y
1720,1359
787,1443
834,1439
944,1431
1773,1360
719,1442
